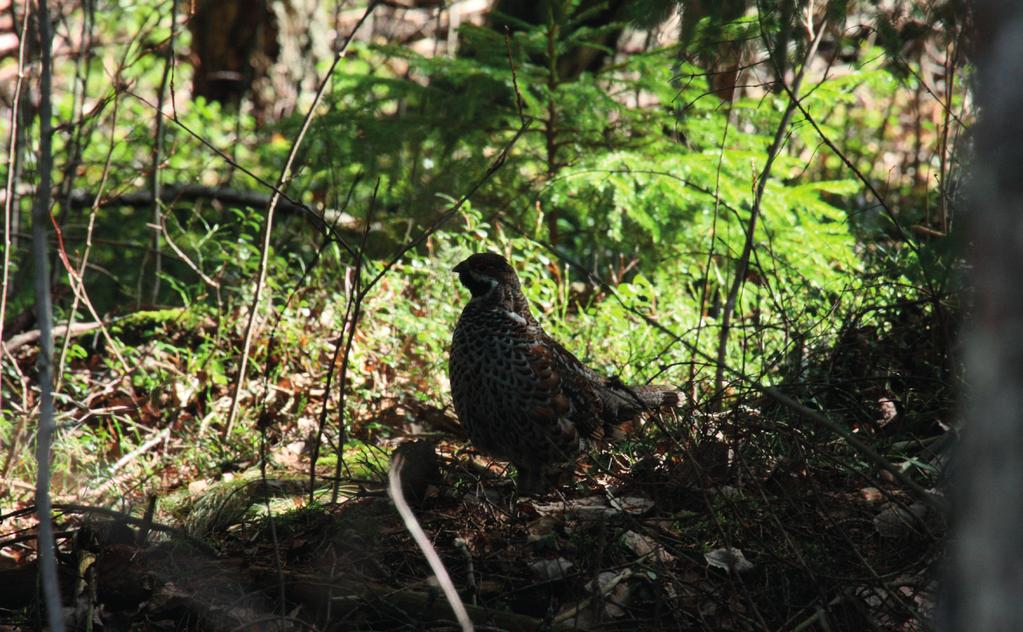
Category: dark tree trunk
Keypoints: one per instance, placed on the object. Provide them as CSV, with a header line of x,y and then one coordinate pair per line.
x,y
233,42
259,50
986,567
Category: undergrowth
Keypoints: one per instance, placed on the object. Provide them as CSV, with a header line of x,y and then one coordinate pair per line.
x,y
624,205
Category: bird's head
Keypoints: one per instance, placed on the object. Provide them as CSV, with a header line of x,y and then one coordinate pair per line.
x,y
484,271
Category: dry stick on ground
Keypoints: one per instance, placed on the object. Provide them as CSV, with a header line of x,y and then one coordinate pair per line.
x,y
69,331
282,182
761,184
9,187
157,438
44,316
423,542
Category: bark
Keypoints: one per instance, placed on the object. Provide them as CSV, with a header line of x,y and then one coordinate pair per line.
x,y
256,49
985,577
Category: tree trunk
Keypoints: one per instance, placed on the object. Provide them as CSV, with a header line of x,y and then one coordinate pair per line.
x,y
257,49
986,567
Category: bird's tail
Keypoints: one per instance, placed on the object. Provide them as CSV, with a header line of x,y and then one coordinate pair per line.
x,y
623,402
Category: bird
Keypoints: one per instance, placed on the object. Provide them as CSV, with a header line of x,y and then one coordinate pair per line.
x,y
519,394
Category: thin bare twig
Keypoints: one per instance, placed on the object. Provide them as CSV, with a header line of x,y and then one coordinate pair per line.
x,y
515,79
184,257
9,188
347,331
705,281
279,565
761,184
19,430
78,286
282,182
353,311
79,133
157,154
330,371
88,244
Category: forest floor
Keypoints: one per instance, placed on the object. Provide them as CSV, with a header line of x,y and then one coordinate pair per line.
x,y
747,518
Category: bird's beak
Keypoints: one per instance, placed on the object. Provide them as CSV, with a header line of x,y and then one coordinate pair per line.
x,y
459,268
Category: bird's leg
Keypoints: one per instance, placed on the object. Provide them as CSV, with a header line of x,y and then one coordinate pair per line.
x,y
530,481
562,476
